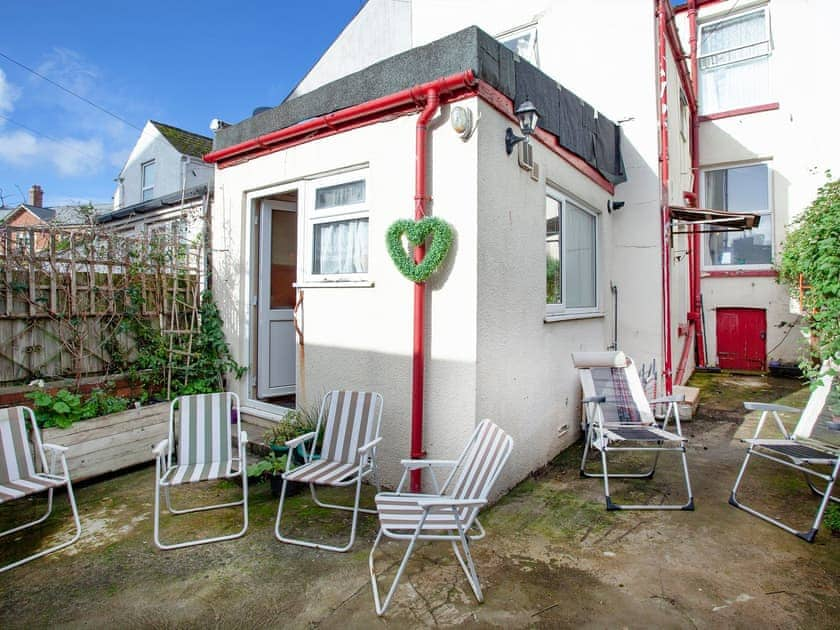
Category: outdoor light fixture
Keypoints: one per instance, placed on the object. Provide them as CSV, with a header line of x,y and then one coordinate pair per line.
x,y
461,120
528,117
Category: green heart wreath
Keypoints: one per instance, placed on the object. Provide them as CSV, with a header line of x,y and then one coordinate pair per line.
x,y
417,232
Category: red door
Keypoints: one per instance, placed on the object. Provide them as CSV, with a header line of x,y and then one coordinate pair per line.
x,y
741,335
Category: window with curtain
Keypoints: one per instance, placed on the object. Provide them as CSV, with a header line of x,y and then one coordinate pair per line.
x,y
339,229
734,62
571,249
739,189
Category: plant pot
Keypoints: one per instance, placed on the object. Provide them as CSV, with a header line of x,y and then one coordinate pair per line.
x,y
298,453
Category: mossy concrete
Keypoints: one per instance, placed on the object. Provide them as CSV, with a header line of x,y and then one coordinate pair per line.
x,y
553,556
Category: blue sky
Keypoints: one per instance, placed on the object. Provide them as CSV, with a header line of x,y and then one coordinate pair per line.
x,y
182,63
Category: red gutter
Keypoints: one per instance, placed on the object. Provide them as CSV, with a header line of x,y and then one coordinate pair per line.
x,y
665,211
695,4
418,361
330,122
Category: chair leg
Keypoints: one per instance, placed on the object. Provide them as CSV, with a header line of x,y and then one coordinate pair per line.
x,y
74,509
469,565
687,506
306,543
243,502
382,607
807,535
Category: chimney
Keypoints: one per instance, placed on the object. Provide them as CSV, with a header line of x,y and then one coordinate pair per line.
x,y
36,196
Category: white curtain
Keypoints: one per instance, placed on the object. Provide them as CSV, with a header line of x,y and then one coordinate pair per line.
x,y
734,64
341,247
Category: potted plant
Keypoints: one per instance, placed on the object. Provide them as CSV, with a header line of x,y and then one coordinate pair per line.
x,y
294,424
272,467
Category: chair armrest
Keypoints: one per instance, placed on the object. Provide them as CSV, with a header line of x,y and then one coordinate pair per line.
x,y
300,439
430,502
595,399
413,464
56,448
160,449
757,406
366,447
668,399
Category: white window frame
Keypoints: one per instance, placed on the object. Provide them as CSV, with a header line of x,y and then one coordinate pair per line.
x,y
766,215
533,53
314,217
701,57
560,311
143,186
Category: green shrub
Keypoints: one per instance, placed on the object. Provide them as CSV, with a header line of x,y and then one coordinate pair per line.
x,y
61,409
832,517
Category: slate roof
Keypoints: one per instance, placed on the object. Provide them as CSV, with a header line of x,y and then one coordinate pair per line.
x,y
45,214
185,142
571,120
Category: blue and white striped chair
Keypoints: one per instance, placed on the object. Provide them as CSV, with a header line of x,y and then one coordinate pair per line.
x,y
350,424
199,449
18,472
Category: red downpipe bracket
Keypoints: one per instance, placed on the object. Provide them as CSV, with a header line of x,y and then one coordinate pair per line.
x,y
418,361
664,174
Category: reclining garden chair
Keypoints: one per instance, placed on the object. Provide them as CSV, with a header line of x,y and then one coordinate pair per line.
x,y
349,422
815,442
18,471
451,512
618,418
199,449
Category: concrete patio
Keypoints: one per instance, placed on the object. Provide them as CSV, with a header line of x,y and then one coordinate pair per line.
x,y
553,556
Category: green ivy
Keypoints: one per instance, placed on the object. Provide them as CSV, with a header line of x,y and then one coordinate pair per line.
x,y
812,249
417,232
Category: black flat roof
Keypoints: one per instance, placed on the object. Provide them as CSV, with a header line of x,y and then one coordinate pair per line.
x,y
573,121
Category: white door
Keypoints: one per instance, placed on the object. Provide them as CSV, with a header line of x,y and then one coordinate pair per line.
x,y
277,227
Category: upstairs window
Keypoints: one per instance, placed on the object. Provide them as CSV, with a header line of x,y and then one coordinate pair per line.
x,y
571,249
147,180
740,189
338,228
734,62
522,41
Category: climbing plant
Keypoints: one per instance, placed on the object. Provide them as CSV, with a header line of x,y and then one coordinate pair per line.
x,y
812,253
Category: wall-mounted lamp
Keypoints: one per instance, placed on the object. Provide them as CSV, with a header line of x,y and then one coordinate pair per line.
x,y
614,205
528,117
462,122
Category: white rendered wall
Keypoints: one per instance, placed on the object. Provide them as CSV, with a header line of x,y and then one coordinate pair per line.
x,y
799,141
361,337
169,172
525,376
381,29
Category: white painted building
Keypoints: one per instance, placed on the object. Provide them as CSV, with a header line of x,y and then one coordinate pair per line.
x,y
575,254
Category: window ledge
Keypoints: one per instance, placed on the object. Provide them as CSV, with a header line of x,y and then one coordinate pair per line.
x,y
755,109
333,284
741,273
563,317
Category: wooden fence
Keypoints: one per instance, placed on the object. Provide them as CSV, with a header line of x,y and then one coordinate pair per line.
x,y
66,293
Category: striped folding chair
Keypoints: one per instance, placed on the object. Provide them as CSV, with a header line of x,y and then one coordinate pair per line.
x,y
349,422
199,449
813,448
18,471
449,514
618,418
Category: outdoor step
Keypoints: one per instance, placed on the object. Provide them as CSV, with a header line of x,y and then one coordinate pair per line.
x,y
692,398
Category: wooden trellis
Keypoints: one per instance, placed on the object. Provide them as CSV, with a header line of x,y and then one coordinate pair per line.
x,y
65,291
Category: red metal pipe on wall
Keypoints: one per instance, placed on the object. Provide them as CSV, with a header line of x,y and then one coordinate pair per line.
x,y
664,175
418,360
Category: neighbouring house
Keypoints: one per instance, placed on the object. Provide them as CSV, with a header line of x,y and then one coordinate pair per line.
x,y
164,185
594,235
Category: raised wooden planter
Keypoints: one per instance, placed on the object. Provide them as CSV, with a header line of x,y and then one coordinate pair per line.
x,y
108,443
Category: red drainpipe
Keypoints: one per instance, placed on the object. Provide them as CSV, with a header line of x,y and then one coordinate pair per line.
x,y
696,246
418,361
664,201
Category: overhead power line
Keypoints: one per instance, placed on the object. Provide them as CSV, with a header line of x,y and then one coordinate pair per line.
x,y
69,91
43,135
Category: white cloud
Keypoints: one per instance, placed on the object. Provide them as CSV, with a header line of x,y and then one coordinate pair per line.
x,y
9,93
70,156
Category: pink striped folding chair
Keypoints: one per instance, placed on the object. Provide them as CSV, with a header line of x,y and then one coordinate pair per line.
x,y
449,514
350,424
21,455
199,450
